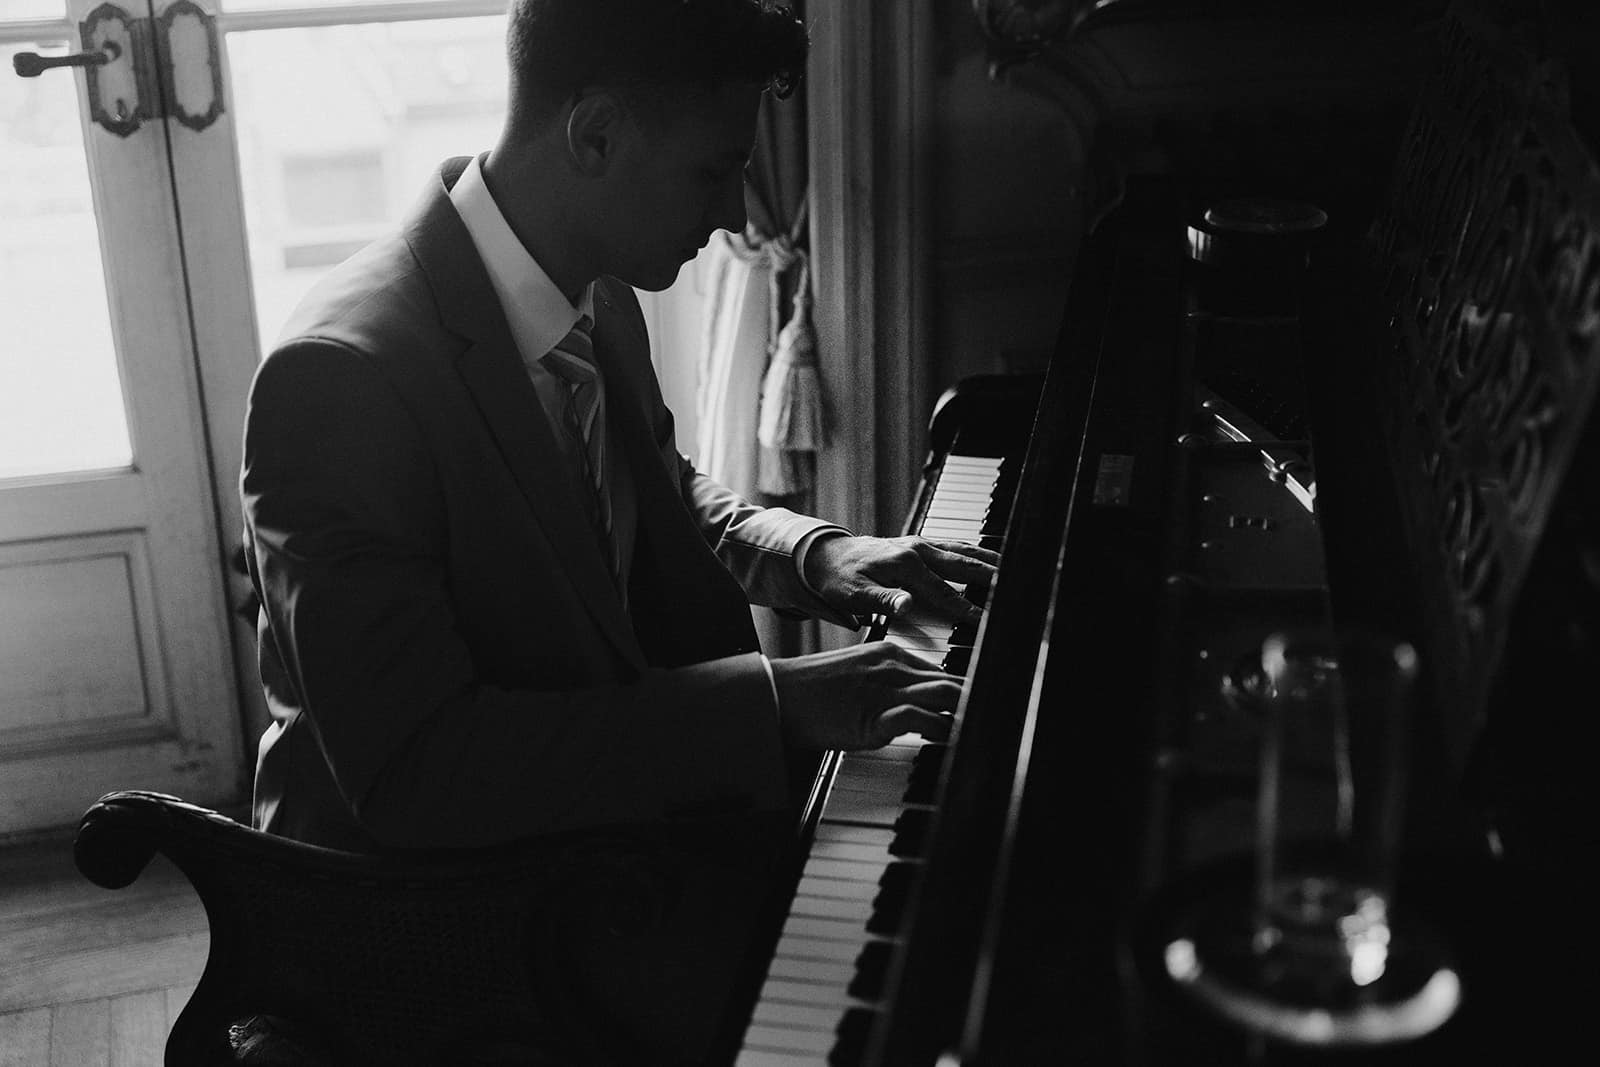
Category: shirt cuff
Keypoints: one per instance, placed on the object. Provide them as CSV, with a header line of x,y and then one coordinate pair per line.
x,y
772,684
804,546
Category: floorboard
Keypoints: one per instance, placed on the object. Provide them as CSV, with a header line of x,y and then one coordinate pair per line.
x,y
93,977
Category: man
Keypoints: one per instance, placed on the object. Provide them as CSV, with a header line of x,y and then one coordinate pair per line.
x,y
496,600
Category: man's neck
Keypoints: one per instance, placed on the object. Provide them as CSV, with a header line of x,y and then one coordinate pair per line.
x,y
539,211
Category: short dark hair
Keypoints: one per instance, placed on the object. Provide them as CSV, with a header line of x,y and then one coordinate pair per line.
x,y
557,47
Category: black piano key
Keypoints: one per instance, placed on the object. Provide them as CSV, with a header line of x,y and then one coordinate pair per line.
x,y
854,1029
956,661
889,906
872,968
923,784
965,633
910,834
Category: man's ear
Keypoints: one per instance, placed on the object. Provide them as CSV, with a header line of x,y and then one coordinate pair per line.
x,y
596,127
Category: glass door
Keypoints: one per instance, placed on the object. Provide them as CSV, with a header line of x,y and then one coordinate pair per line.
x,y
115,664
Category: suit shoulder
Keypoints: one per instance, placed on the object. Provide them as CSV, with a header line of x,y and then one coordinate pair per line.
x,y
377,302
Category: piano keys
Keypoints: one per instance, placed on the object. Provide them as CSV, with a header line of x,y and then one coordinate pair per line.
x,y
870,816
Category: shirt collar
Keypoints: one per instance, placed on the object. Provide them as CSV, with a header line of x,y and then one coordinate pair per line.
x,y
538,312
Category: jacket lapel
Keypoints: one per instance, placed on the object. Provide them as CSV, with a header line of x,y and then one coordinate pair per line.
x,y
492,371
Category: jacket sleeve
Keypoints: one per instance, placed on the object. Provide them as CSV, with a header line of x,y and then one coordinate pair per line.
x,y
756,544
348,531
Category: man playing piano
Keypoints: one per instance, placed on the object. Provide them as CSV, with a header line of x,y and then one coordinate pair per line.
x,y
496,600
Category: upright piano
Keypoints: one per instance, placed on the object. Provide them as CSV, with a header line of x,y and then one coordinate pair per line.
x,y
1260,416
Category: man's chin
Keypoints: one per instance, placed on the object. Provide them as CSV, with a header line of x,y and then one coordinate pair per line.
x,y
656,280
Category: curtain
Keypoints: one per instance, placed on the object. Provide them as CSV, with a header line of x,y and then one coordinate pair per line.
x,y
758,397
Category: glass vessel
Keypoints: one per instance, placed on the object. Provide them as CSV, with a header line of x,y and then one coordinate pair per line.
x,y
1314,952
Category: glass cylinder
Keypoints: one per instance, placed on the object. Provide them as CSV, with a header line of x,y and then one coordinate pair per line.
x,y
1331,807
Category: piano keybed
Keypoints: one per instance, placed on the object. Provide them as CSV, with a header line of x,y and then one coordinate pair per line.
x,y
828,970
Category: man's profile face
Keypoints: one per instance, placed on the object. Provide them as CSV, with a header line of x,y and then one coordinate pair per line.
x,y
679,181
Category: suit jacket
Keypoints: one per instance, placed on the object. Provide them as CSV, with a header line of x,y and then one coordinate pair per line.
x,y
443,651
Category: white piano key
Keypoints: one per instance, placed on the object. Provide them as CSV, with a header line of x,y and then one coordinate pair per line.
x,y
797,1016
947,531
839,888
898,750
754,1057
913,643
973,481
962,496
783,1039
959,504
810,926
881,779
846,850
973,516
794,946
954,507
931,634
846,870
877,763
857,911
869,766
805,993
864,808
818,972
973,463
867,791
864,835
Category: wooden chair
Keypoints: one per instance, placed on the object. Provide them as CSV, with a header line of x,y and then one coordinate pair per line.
x,y
441,957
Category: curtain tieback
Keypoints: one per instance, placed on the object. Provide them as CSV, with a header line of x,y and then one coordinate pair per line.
x,y
791,391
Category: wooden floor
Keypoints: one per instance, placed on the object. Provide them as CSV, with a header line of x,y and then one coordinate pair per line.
x,y
92,977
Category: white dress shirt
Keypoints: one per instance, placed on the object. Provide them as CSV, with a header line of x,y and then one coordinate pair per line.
x,y
540,315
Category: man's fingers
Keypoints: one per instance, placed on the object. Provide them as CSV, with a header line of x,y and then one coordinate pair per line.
x,y
906,719
895,602
960,554
935,595
939,694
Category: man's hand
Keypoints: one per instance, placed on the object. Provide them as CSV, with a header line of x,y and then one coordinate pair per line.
x,y
862,697
890,575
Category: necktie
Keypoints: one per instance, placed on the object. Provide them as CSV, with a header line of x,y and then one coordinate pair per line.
x,y
572,360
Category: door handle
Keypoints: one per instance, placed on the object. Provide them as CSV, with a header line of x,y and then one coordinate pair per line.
x,y
32,64
116,61
130,66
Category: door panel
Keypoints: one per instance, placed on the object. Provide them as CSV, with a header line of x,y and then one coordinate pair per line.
x,y
116,668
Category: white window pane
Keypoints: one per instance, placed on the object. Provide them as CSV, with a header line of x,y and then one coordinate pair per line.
x,y
339,128
60,391
281,5
30,9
